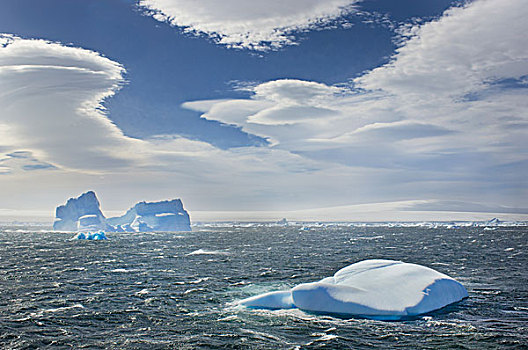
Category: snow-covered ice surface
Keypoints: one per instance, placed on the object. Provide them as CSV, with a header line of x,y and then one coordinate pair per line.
x,y
380,289
270,300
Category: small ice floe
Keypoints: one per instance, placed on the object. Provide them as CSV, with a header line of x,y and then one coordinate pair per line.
x,y
375,289
91,236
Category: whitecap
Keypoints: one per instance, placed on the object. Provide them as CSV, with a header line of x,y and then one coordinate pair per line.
x,y
123,270
208,252
142,292
59,309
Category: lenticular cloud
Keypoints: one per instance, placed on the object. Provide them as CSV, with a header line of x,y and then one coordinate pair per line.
x,y
255,25
51,104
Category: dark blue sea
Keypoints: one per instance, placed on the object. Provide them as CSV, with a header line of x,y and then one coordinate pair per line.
x,y
178,290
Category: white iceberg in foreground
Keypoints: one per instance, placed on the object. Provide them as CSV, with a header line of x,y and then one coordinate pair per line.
x,y
271,300
380,289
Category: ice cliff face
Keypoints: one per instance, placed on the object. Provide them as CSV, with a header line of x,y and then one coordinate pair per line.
x,y
84,214
154,216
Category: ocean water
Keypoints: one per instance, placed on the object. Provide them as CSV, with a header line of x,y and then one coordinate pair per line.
x,y
178,290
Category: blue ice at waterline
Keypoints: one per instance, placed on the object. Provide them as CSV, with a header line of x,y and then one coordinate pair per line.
x,y
91,236
377,289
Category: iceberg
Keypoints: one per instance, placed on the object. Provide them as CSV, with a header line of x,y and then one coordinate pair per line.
x,y
376,289
84,214
270,300
80,214
153,216
91,236
282,222
494,221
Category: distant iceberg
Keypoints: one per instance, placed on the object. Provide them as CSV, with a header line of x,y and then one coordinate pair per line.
x,y
155,216
84,214
377,289
283,222
494,221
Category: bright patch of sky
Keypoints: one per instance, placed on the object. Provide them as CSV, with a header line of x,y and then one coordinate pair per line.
x,y
238,106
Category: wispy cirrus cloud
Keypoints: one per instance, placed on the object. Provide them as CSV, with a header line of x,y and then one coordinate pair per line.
x,y
255,25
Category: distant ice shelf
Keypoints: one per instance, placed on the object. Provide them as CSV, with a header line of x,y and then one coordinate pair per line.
x,y
84,214
310,225
376,289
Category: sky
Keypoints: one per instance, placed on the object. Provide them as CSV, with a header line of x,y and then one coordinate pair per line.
x,y
325,110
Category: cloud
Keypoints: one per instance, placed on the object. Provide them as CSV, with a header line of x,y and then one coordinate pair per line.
x,y
443,121
459,206
464,50
255,25
52,117
400,130
291,91
445,113
412,210
419,94
39,166
22,160
19,154
286,114
51,103
459,55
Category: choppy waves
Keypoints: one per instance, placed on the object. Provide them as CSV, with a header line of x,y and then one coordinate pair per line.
x,y
179,291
